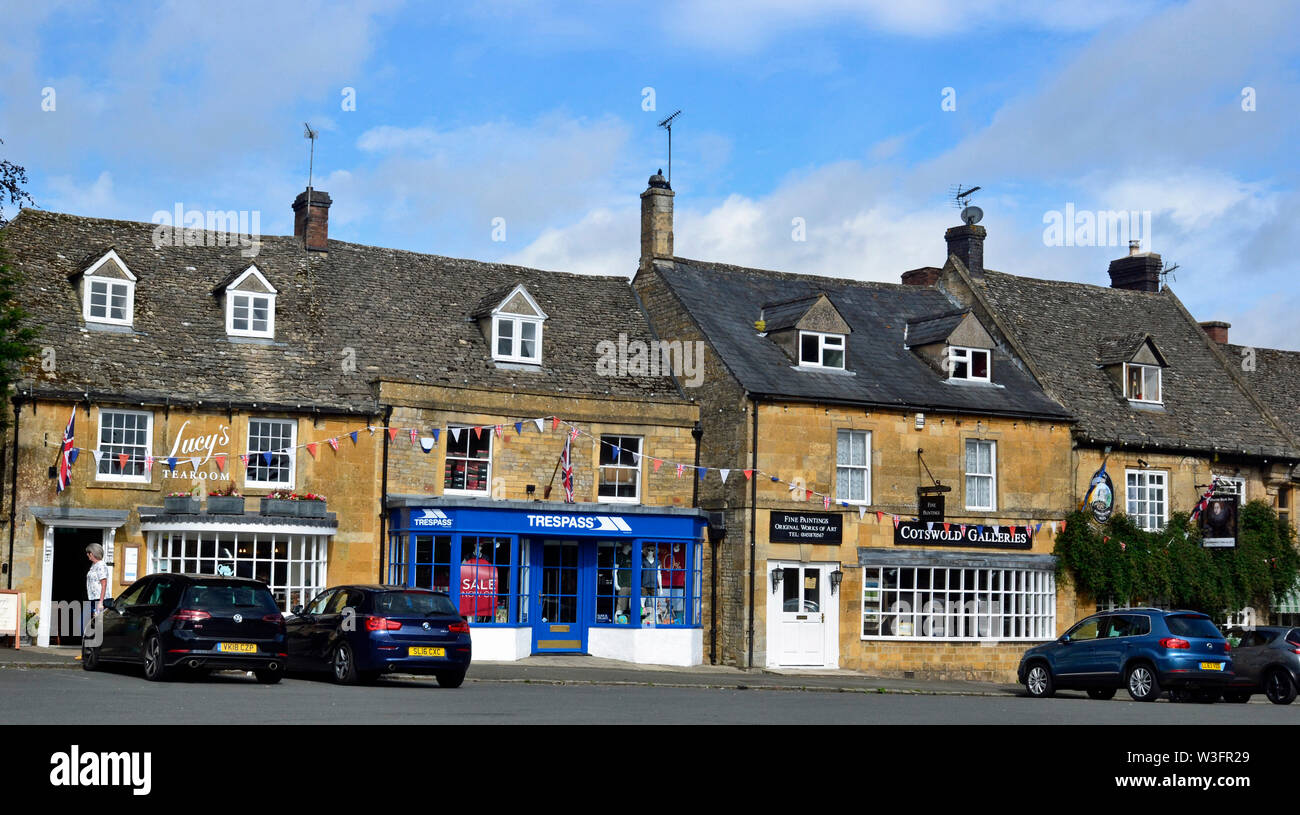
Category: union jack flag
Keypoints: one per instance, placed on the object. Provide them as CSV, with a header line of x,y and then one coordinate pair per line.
x,y
566,472
67,454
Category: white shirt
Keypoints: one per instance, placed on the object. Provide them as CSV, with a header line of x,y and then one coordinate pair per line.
x,y
98,572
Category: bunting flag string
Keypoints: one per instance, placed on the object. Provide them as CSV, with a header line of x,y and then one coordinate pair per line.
x,y
335,444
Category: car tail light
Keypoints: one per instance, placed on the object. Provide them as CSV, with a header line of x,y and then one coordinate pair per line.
x,y
459,628
1227,646
381,624
1175,642
191,614
274,618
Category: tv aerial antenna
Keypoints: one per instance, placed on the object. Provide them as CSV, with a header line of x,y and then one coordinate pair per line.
x,y
970,214
308,133
667,124
1167,272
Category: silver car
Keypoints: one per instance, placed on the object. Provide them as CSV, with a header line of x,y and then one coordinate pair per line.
x,y
1266,659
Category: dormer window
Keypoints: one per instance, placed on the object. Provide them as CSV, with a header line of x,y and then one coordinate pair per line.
x,y
970,364
250,304
513,322
1142,382
818,350
108,291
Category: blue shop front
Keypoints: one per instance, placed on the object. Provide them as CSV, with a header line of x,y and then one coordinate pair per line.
x,y
620,581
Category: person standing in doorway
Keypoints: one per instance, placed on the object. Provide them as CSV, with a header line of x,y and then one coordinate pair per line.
x,y
96,584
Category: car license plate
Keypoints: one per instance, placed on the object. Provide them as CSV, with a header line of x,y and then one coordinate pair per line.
x,y
1211,666
237,647
419,651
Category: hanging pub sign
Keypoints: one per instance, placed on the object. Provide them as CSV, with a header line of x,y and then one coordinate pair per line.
x,y
805,527
1219,522
1100,499
986,536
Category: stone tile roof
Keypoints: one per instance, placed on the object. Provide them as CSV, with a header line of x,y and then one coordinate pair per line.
x,y
880,371
1064,327
404,315
1274,378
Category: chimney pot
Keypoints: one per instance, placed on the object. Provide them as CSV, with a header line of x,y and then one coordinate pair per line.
x,y
312,223
1134,247
967,243
1218,330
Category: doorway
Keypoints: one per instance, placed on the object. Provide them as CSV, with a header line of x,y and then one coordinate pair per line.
x,y
68,582
560,623
803,617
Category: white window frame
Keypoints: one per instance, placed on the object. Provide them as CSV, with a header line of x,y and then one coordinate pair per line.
x,y
516,338
1022,607
613,499
992,476
292,453
147,477
865,468
307,556
1145,476
822,338
1160,394
959,354
487,481
88,278
232,293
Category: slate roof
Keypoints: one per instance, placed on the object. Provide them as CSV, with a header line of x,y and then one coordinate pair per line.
x,y
1275,379
406,316
787,313
934,329
1064,327
883,372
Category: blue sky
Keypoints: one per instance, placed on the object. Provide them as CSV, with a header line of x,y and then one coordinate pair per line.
x,y
822,110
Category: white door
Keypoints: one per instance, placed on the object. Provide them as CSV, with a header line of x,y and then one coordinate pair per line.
x,y
802,626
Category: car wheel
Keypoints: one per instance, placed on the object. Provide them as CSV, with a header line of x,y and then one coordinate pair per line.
x,y
1101,693
1236,697
1038,681
1279,688
89,658
451,679
345,667
268,677
154,669
1142,683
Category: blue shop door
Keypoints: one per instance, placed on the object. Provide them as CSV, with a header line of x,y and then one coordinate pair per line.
x,y
561,601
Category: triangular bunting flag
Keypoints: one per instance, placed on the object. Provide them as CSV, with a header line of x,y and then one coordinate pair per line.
x,y
194,462
455,433
826,501
997,528
573,434
749,474
880,516
334,442
895,521
1052,526
415,436
171,462
963,529
658,463
519,428
929,525
371,428
616,452
392,434
724,473
1062,526
478,432
98,454
680,469
353,434
148,464
122,459
701,471
426,443
555,422
862,512
500,432
436,431
244,459
808,494
220,458
946,526
793,487
979,530
776,479
538,422
266,456
1038,527
311,448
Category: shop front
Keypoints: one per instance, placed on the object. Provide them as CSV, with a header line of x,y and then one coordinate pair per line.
x,y
621,582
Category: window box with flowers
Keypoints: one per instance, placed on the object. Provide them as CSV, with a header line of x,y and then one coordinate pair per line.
x,y
226,502
280,502
181,503
311,505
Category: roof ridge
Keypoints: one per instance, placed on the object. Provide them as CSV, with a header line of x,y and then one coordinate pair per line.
x,y
803,276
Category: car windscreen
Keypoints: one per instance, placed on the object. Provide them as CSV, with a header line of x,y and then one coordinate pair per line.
x,y
230,598
1186,625
1293,636
414,603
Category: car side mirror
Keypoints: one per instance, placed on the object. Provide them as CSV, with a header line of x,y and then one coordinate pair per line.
x,y
296,611
108,603
1065,638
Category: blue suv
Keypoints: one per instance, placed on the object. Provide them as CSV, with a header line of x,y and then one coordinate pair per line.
x,y
1145,650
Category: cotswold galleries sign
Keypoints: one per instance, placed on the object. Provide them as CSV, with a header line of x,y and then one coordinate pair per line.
x,y
923,533
195,451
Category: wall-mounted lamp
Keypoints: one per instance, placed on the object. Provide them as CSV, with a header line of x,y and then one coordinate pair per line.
x,y
837,577
530,490
1143,463
778,574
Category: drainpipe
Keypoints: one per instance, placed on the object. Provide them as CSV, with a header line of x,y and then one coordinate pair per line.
x,y
13,495
753,527
383,498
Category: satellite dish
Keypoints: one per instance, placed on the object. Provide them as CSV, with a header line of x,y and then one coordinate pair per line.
x,y
971,215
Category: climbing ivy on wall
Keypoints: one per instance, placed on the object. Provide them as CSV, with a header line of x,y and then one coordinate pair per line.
x,y
1136,567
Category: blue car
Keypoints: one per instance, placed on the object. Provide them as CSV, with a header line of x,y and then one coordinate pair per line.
x,y
1145,650
359,633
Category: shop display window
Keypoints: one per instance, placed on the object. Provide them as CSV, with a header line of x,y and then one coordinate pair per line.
x,y
908,602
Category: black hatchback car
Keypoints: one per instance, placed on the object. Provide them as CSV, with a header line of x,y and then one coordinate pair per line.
x,y
202,622
358,633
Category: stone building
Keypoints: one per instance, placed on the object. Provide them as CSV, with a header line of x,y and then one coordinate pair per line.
x,y
428,399
839,407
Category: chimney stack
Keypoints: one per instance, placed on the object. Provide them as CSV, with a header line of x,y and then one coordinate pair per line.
x,y
1139,271
312,223
656,220
924,276
967,243
1218,330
